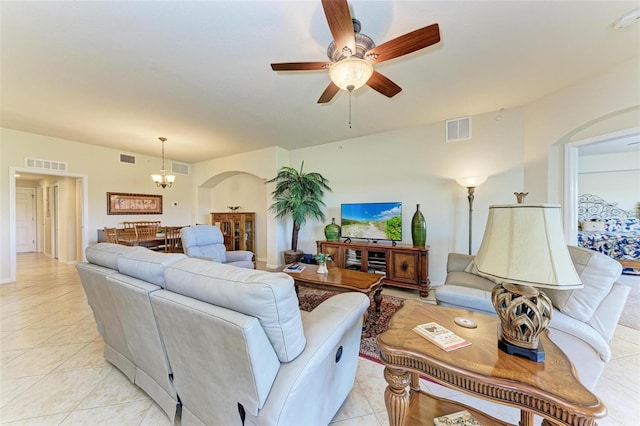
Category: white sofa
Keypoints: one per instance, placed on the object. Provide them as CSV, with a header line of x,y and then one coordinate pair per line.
x,y
227,345
583,320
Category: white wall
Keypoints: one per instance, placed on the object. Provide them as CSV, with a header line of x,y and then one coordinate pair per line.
x,y
104,174
413,166
614,177
596,106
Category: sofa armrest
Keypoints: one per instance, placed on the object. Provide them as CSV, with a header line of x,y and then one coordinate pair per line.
x,y
457,262
605,318
582,331
334,326
239,255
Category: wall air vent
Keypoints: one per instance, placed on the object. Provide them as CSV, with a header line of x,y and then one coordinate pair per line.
x,y
179,168
126,158
36,163
458,129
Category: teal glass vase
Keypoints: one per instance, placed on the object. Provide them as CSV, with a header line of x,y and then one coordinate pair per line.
x,y
332,231
418,228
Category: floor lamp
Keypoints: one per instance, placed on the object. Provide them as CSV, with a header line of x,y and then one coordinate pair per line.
x,y
471,183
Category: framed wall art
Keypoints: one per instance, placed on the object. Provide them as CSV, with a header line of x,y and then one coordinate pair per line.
x,y
123,203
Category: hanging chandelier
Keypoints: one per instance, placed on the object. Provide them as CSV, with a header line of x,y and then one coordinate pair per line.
x,y
163,180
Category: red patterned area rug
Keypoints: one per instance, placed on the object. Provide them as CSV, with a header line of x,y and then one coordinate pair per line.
x,y
376,322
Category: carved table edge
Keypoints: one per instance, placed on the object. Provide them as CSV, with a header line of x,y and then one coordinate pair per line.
x,y
507,396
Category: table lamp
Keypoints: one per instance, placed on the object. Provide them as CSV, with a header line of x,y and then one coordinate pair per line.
x,y
523,249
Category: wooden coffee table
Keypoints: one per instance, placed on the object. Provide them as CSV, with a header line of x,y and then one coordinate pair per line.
x,y
342,280
550,389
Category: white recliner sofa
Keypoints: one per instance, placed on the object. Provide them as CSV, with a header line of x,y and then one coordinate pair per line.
x,y
207,242
224,345
583,320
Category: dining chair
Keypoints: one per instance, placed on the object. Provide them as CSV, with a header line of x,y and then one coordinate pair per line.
x,y
172,239
146,236
111,234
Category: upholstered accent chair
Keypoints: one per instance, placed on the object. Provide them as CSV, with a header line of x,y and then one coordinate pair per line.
x,y
207,242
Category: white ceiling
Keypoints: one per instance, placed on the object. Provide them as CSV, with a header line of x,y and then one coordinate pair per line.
x,y
123,73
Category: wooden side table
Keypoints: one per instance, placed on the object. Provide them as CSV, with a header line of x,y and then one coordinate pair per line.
x,y
550,389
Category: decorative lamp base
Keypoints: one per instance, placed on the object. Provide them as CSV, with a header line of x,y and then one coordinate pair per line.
x,y
536,355
525,313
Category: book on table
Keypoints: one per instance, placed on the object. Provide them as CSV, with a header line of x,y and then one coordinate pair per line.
x,y
460,418
294,267
441,336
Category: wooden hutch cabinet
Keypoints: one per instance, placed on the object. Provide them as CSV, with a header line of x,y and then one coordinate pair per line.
x,y
238,229
402,265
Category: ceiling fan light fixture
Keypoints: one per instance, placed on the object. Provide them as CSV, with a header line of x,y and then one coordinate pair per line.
x,y
351,73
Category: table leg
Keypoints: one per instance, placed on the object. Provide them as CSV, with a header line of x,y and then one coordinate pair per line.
x,y
377,298
396,397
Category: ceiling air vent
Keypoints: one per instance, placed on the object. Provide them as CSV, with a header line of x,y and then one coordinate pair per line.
x,y
179,168
126,158
459,129
36,163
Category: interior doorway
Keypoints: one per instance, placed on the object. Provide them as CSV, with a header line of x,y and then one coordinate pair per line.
x,y
68,247
571,169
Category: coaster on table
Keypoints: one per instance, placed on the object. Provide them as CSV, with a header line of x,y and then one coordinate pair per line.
x,y
465,322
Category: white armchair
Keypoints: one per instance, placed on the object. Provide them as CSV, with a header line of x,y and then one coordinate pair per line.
x,y
207,242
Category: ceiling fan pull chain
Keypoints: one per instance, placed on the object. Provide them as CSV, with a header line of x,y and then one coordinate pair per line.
x,y
350,108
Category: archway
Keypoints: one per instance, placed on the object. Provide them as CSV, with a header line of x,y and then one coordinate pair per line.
x,y
244,190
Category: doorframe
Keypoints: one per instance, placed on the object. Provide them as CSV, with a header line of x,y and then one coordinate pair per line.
x,y
571,163
12,210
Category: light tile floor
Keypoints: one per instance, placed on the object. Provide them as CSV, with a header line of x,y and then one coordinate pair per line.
x,y
52,371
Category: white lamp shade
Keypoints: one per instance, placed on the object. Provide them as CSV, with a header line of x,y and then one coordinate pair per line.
x,y
156,178
350,73
524,244
471,181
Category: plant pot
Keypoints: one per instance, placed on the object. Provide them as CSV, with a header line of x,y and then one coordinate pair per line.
x,y
291,256
322,268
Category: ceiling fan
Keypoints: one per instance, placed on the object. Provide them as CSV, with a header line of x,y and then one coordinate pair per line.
x,y
353,54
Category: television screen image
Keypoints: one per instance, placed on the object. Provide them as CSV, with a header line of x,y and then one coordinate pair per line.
x,y
372,221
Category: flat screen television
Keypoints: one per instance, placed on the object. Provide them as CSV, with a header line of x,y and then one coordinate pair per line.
x,y
372,221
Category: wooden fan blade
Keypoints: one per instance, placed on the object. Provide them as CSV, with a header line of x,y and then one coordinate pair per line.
x,y
410,42
383,85
340,23
328,93
301,66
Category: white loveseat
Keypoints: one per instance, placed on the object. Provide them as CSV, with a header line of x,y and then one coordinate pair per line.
x,y
227,345
583,320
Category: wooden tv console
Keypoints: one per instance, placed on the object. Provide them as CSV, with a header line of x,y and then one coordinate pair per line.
x,y
402,265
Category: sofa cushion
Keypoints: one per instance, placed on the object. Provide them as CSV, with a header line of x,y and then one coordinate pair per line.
x,y
147,265
470,280
268,296
597,273
106,254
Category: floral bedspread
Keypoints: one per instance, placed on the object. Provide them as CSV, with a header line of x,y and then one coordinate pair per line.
x,y
619,240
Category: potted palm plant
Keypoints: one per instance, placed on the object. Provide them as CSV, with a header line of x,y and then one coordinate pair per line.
x,y
299,195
